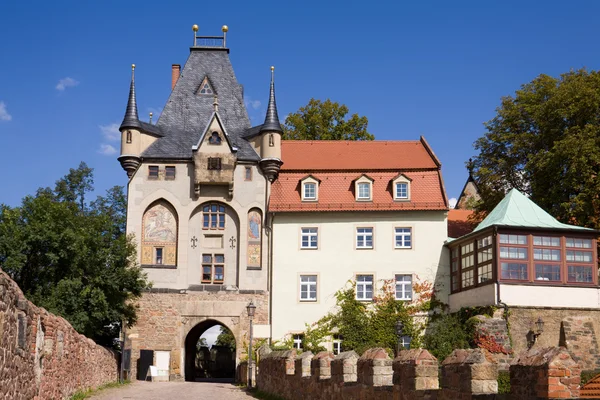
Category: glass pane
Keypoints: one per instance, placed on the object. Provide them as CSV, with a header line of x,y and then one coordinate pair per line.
x,y
205,221
547,272
213,220
221,209
580,274
221,220
218,273
207,258
514,271
219,258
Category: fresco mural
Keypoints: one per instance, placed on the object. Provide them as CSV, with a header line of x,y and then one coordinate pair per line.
x,y
159,230
254,238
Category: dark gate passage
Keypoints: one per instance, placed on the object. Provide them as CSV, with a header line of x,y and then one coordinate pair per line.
x,y
202,362
144,362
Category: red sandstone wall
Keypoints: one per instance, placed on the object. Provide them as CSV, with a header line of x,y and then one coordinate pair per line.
x,y
43,357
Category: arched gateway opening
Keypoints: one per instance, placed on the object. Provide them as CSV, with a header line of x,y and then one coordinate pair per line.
x,y
209,358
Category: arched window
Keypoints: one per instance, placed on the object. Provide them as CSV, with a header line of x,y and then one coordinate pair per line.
x,y
213,216
159,239
214,138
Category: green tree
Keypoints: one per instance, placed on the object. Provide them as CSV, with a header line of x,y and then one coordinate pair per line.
x,y
325,121
225,338
73,258
446,334
545,141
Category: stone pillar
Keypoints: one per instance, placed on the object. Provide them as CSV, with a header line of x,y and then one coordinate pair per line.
x,y
416,369
375,368
303,364
321,365
545,373
469,372
343,367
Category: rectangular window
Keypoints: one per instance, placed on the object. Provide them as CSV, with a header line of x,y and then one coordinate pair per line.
x,y
364,287
308,288
170,172
484,272
467,278
513,239
405,341
309,239
213,216
310,191
484,242
248,174
518,253
153,172
158,255
402,190
579,256
546,254
514,271
484,255
129,137
364,238
548,241
580,273
403,238
547,272
298,339
579,243
404,287
337,344
364,191
214,163
213,268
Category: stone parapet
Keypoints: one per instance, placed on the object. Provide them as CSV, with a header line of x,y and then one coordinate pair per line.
x,y
415,370
41,354
469,372
343,367
374,368
302,365
545,373
321,365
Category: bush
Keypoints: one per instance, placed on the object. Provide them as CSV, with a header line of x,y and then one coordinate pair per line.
x,y
503,382
445,335
586,376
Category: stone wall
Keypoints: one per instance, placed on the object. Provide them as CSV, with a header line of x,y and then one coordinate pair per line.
x,y
165,318
41,355
496,330
575,329
413,375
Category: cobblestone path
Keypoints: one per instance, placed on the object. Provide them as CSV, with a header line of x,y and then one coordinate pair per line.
x,y
174,391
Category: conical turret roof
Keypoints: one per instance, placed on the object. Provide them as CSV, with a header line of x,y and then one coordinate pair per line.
x,y
131,119
272,119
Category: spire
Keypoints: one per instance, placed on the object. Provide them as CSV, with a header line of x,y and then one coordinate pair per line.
x,y
131,119
272,119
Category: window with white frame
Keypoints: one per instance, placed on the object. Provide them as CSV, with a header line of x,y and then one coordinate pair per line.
x,y
308,288
404,287
309,238
337,344
403,238
298,339
405,342
364,191
309,191
402,190
364,238
364,287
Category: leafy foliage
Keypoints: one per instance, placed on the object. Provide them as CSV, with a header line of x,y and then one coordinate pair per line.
x,y
225,338
446,334
73,258
503,382
545,141
325,121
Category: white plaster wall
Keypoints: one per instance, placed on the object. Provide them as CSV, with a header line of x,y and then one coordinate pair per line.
x,y
481,296
550,296
337,260
142,192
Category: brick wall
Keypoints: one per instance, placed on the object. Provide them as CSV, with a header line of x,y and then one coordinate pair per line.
x,y
41,355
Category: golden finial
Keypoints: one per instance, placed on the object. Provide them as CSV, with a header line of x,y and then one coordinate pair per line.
x,y
150,116
132,67
224,28
195,28
272,68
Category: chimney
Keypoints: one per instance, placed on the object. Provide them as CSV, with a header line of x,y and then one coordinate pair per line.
x,y
175,71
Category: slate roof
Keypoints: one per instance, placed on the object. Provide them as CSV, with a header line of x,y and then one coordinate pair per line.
x,y
516,210
186,113
355,155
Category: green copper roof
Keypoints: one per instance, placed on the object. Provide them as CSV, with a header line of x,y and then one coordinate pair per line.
x,y
518,211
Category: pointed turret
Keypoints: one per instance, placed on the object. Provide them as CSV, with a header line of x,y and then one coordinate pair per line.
x,y
272,119
270,149
131,119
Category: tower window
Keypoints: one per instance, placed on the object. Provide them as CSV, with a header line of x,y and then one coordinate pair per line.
x,y
214,138
170,172
213,216
271,140
214,164
153,172
128,137
248,174
213,266
158,255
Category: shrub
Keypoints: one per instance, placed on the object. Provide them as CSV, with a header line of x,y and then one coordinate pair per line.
x,y
445,335
503,382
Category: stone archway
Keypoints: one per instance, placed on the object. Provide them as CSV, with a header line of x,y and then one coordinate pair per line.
x,y
225,363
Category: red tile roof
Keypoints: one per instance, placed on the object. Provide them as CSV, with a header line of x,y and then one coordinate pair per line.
x,y
356,155
459,224
591,389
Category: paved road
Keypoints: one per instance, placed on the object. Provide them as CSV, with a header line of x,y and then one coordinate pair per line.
x,y
174,391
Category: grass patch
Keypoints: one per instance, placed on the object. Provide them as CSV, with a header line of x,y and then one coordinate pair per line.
x,y
257,394
84,394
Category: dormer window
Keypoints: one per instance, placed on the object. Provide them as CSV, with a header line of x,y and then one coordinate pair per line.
x,y
310,188
214,138
205,87
401,187
363,188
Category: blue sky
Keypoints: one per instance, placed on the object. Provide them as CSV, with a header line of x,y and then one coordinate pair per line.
x,y
428,68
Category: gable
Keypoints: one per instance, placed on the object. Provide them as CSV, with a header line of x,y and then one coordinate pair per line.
x,y
214,139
